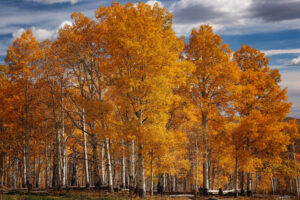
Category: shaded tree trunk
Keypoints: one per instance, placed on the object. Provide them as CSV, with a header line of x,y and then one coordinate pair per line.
x,y
242,182
96,176
48,164
24,168
151,177
249,184
141,173
1,168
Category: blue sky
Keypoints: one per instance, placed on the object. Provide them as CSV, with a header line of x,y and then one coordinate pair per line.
x,y
272,26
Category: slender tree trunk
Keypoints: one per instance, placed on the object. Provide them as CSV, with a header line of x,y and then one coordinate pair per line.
x,y
209,171
242,182
205,154
273,189
109,171
296,179
86,166
193,173
160,183
151,177
57,156
141,173
196,179
164,182
213,177
8,166
256,182
249,184
96,176
123,167
74,177
27,142
1,168
236,177
39,168
131,167
102,163
34,169
173,188
24,168
15,172
48,164
64,163
62,135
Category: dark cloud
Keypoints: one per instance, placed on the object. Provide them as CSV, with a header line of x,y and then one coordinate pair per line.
x,y
195,14
275,10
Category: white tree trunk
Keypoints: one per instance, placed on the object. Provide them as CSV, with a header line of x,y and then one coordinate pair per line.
x,y
205,154
27,141
109,171
87,178
296,179
236,177
63,142
102,163
131,167
123,167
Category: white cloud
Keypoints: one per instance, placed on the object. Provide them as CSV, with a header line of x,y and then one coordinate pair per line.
x,y
231,17
220,14
42,34
64,23
153,2
54,1
281,51
18,33
294,62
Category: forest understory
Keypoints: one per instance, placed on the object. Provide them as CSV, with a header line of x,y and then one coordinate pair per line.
x,y
104,195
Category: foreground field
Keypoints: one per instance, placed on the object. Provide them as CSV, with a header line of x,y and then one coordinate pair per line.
x,y
106,196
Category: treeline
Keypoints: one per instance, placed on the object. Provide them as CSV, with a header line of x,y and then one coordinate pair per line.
x,y
120,101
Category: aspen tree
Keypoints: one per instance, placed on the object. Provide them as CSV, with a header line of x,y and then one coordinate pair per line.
x,y
211,83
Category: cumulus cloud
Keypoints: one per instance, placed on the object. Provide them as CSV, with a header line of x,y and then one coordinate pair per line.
x,y
220,13
236,17
18,33
153,2
54,1
64,23
42,34
294,62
